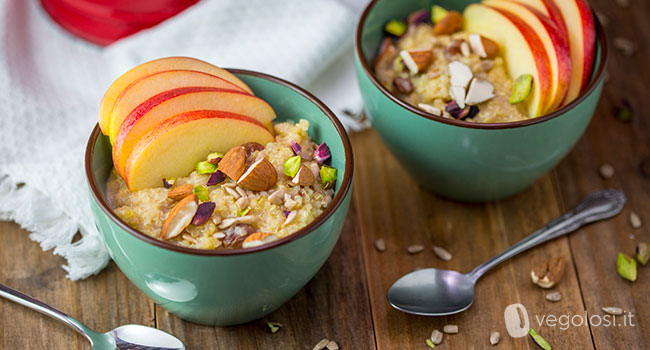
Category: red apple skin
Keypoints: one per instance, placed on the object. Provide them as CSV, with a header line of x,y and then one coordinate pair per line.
x,y
589,33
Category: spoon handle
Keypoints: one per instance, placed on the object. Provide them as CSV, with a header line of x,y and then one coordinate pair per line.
x,y
595,206
45,309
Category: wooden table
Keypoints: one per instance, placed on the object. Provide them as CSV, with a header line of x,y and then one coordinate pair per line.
x,y
346,300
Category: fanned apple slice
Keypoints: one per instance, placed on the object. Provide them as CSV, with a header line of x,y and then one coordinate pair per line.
x,y
555,42
174,146
522,48
172,102
155,66
154,84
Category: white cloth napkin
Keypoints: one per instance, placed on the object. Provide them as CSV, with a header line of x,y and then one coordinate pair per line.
x,y
51,84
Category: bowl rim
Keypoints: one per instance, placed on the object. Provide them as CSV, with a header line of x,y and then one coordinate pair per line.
x,y
593,84
338,199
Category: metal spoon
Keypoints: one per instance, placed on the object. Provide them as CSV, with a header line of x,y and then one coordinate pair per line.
x,y
131,336
434,292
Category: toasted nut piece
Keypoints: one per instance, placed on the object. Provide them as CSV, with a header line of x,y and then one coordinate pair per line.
x,y
233,163
549,273
642,253
482,46
403,85
251,147
180,217
612,310
436,336
416,60
304,177
450,329
495,337
450,24
260,176
626,267
180,192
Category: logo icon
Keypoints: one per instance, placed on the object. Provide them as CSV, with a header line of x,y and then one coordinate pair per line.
x,y
517,322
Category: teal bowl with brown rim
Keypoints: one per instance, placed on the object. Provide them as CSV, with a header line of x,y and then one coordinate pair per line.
x,y
227,287
459,159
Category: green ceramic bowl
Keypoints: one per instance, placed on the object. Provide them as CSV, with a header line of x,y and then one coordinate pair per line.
x,y
464,160
228,287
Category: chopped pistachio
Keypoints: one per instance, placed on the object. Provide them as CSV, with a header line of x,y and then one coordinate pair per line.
x,y
539,340
327,174
214,157
205,167
521,88
168,183
642,253
395,27
274,326
291,166
201,192
626,267
624,115
260,200
245,211
430,343
438,13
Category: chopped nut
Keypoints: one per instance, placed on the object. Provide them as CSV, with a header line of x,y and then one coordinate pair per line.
x,y
549,273
246,219
327,175
464,49
291,166
380,245
189,238
274,326
232,192
203,213
332,345
642,253
403,85
626,267
321,344
233,163
449,24
626,46
438,13
277,197
205,168
635,220
554,296
168,183
214,158
242,203
180,192
521,88
292,216
612,310
606,171
482,46
453,48
201,192
436,336
179,217
460,74
416,60
304,177
251,147
479,91
414,249
442,253
450,329
486,65
216,178
430,109
260,176
257,239
395,28
539,340
495,337
430,343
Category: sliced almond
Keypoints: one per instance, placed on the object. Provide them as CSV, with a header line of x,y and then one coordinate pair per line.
x,y
479,91
304,177
258,239
180,217
430,109
457,93
417,60
449,24
233,163
460,74
482,46
260,176
180,192
464,49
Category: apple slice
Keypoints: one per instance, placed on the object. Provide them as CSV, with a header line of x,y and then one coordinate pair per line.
x,y
174,146
555,42
155,66
158,108
522,48
156,83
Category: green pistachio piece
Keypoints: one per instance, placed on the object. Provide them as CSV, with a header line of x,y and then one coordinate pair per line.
x,y
205,167
291,166
438,13
395,27
201,192
214,157
430,343
642,253
274,326
327,174
244,212
541,342
521,88
626,267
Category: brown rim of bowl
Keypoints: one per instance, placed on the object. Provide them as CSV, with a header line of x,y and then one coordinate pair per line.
x,y
590,87
334,205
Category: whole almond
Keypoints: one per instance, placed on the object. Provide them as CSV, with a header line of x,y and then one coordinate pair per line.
x,y
179,192
260,176
180,217
450,24
233,163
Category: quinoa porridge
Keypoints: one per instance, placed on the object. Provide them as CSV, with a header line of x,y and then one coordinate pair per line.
x,y
224,213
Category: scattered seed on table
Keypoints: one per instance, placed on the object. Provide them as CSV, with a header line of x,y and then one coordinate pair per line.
x,y
606,171
635,220
321,344
436,336
554,296
495,337
332,345
415,248
626,46
612,310
380,245
450,329
430,343
442,253
274,326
